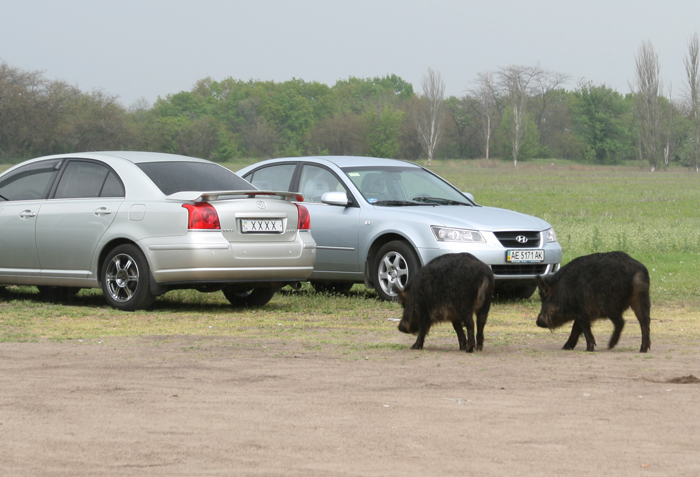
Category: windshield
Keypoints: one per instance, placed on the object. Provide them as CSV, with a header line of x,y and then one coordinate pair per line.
x,y
176,176
404,186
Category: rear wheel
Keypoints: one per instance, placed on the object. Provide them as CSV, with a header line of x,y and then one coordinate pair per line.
x,y
57,294
126,279
394,264
332,287
249,297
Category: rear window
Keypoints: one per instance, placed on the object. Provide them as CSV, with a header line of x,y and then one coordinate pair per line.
x,y
172,177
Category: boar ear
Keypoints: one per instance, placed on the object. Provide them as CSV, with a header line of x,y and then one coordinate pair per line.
x,y
541,283
401,296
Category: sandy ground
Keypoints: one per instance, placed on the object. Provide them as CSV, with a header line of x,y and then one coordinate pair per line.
x,y
209,406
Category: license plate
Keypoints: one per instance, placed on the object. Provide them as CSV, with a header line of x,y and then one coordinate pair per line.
x,y
262,226
524,256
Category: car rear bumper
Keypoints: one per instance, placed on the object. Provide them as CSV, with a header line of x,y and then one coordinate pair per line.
x,y
210,258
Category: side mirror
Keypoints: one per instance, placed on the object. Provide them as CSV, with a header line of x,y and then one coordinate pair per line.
x,y
469,196
335,198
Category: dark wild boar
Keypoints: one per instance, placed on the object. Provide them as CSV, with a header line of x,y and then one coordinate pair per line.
x,y
601,285
452,288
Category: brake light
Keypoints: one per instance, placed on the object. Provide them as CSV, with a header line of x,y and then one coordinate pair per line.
x,y
304,218
202,215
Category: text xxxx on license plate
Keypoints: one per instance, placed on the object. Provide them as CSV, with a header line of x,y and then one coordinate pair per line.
x,y
262,226
524,256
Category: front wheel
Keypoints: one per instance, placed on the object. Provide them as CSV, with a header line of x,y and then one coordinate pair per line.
x,y
126,279
394,264
248,297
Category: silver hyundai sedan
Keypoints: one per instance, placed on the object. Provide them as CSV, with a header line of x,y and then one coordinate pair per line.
x,y
376,221
139,224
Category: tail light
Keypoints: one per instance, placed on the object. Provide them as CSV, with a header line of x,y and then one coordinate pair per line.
x,y
202,215
304,218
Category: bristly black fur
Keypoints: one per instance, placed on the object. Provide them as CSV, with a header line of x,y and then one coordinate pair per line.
x,y
452,288
601,285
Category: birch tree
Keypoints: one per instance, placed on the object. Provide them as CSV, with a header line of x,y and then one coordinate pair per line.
x,y
517,83
486,96
648,88
545,86
669,140
692,63
431,113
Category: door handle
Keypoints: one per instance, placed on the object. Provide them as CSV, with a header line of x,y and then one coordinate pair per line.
x,y
27,214
102,211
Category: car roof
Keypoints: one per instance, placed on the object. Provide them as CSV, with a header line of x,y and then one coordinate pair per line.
x,y
347,161
131,156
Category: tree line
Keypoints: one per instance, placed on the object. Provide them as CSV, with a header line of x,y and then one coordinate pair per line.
x,y
515,113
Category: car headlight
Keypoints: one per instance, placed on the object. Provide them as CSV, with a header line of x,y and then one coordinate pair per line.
x,y
447,234
551,236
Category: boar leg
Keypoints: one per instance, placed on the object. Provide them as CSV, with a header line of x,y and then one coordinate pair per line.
x,y
573,337
481,308
457,325
619,323
469,324
585,325
641,305
481,315
421,338
468,321
644,321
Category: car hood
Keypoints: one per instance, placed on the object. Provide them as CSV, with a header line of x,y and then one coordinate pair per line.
x,y
478,218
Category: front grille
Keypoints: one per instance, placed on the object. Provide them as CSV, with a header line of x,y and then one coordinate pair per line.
x,y
510,239
523,269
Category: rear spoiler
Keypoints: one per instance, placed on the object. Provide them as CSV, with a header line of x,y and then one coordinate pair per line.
x,y
195,196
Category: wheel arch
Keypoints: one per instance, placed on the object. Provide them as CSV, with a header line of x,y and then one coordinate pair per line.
x,y
107,248
378,243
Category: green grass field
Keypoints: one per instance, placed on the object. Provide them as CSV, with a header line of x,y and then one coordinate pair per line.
x,y
652,216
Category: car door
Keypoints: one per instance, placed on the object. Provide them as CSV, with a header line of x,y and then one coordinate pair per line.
x,y
22,195
77,213
334,228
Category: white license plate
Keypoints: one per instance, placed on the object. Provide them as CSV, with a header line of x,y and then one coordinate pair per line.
x,y
524,256
269,226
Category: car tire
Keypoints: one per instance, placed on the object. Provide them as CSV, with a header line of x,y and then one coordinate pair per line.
x,y
393,265
515,293
126,279
332,287
249,298
57,294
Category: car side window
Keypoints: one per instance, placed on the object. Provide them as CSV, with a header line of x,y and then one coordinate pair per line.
x,y
278,177
30,182
83,179
315,181
112,187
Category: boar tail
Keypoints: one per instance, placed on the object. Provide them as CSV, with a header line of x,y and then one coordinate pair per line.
x,y
482,294
640,281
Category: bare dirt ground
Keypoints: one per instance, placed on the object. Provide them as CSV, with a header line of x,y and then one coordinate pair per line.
x,y
211,406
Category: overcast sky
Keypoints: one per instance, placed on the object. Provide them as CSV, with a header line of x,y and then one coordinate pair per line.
x,y
149,48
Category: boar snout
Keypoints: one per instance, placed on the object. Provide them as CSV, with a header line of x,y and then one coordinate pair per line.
x,y
543,321
405,327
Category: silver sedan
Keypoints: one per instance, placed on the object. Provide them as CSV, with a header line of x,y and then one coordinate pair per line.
x,y
139,224
376,221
